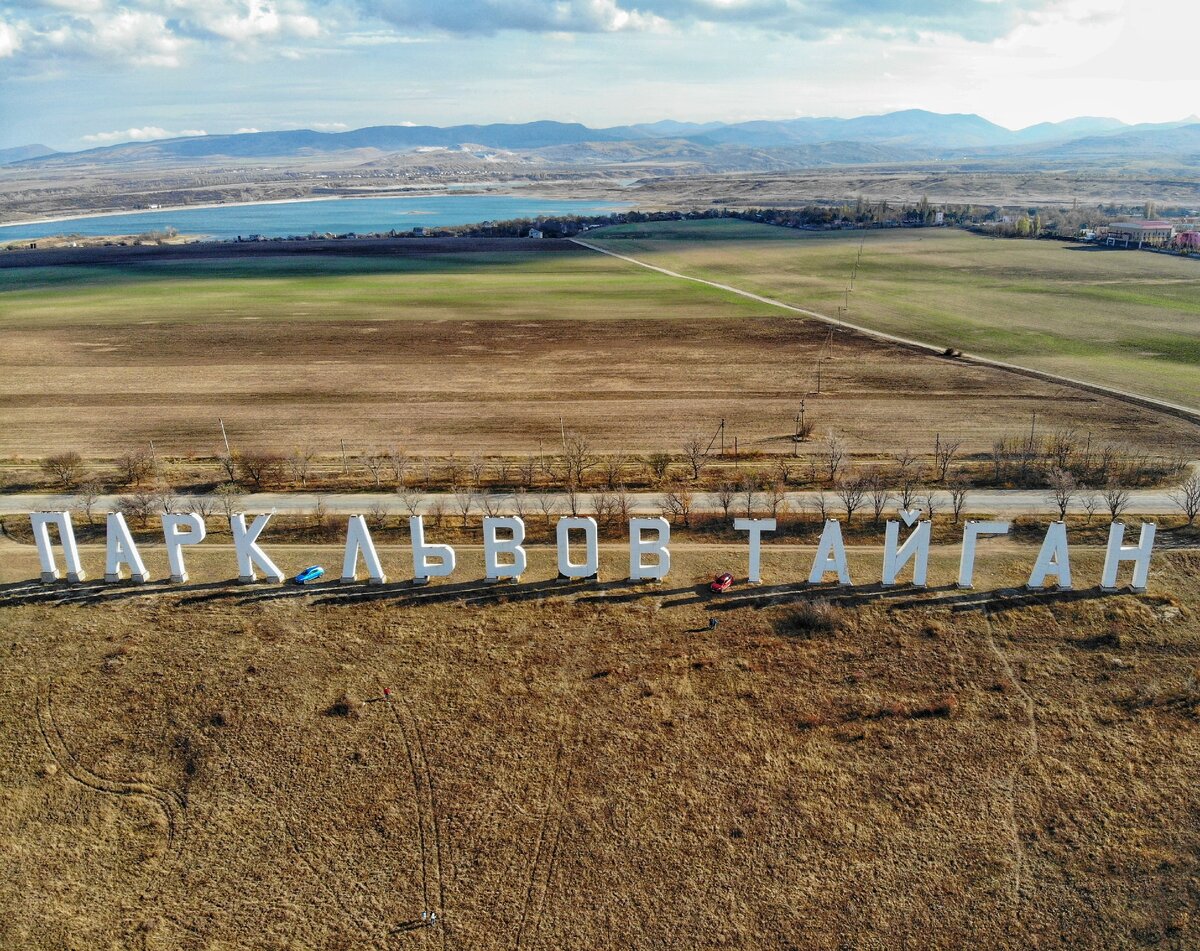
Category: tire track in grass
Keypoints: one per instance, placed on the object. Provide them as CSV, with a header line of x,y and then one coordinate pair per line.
x,y
169,802
541,872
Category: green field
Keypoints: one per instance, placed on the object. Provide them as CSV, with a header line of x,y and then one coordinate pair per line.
x,y
473,285
1119,318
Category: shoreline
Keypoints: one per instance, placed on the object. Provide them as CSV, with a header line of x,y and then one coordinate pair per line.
x,y
441,193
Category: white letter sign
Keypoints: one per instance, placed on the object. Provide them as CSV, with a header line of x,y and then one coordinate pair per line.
x,y
831,555
249,554
358,539
1053,559
1118,552
639,546
756,527
121,552
915,549
493,547
423,567
971,531
40,522
590,566
180,530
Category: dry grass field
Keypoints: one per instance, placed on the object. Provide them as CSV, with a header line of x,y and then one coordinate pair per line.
x,y
1117,318
195,768
485,353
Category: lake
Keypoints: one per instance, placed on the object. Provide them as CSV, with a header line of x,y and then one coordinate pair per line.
x,y
339,215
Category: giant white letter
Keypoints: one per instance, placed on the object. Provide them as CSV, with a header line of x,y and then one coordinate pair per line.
x,y
245,541
971,531
831,555
423,567
914,549
756,527
121,551
40,522
590,566
1118,552
358,539
639,546
179,530
1053,559
493,547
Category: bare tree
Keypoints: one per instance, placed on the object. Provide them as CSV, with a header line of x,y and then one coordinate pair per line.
x,y
659,464
490,503
852,492
137,507
909,474
1187,497
821,503
377,516
527,472
1062,489
725,494
66,468
263,468
228,498
410,500
577,458
1116,499
603,505
748,492
225,460
775,496
677,504
1089,499
454,471
696,455
622,505
202,505
614,468
374,461
959,487
520,503
930,502
464,501
134,467
572,494
943,456
438,511
89,494
878,492
320,515
783,469
548,505
299,462
476,466
398,461
165,499
502,468
834,456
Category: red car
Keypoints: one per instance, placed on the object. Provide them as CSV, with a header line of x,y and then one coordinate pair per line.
x,y
722,582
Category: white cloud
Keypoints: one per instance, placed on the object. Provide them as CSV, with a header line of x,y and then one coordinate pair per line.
x,y
329,126
148,133
246,130
10,41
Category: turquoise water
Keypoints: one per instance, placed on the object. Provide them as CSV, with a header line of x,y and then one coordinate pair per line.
x,y
339,215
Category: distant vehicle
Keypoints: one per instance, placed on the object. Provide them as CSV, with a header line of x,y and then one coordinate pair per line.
x,y
722,582
311,573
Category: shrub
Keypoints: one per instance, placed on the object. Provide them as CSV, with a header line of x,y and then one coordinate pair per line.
x,y
813,617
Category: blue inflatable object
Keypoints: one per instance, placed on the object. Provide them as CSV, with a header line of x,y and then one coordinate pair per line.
x,y
312,573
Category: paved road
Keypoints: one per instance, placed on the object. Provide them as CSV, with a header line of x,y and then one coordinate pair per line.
x,y
992,502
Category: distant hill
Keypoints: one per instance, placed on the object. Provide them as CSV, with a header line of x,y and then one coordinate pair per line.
x,y
22,152
906,136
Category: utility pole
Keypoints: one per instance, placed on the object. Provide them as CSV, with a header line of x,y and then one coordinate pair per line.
x,y
563,427
345,465
228,452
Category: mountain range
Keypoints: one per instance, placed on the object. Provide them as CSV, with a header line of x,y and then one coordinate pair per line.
x,y
909,135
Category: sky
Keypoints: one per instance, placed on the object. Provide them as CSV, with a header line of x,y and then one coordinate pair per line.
x,y
79,73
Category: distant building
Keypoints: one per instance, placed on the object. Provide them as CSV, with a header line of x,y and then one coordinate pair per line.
x,y
939,217
1126,233
1187,239
418,232
535,233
